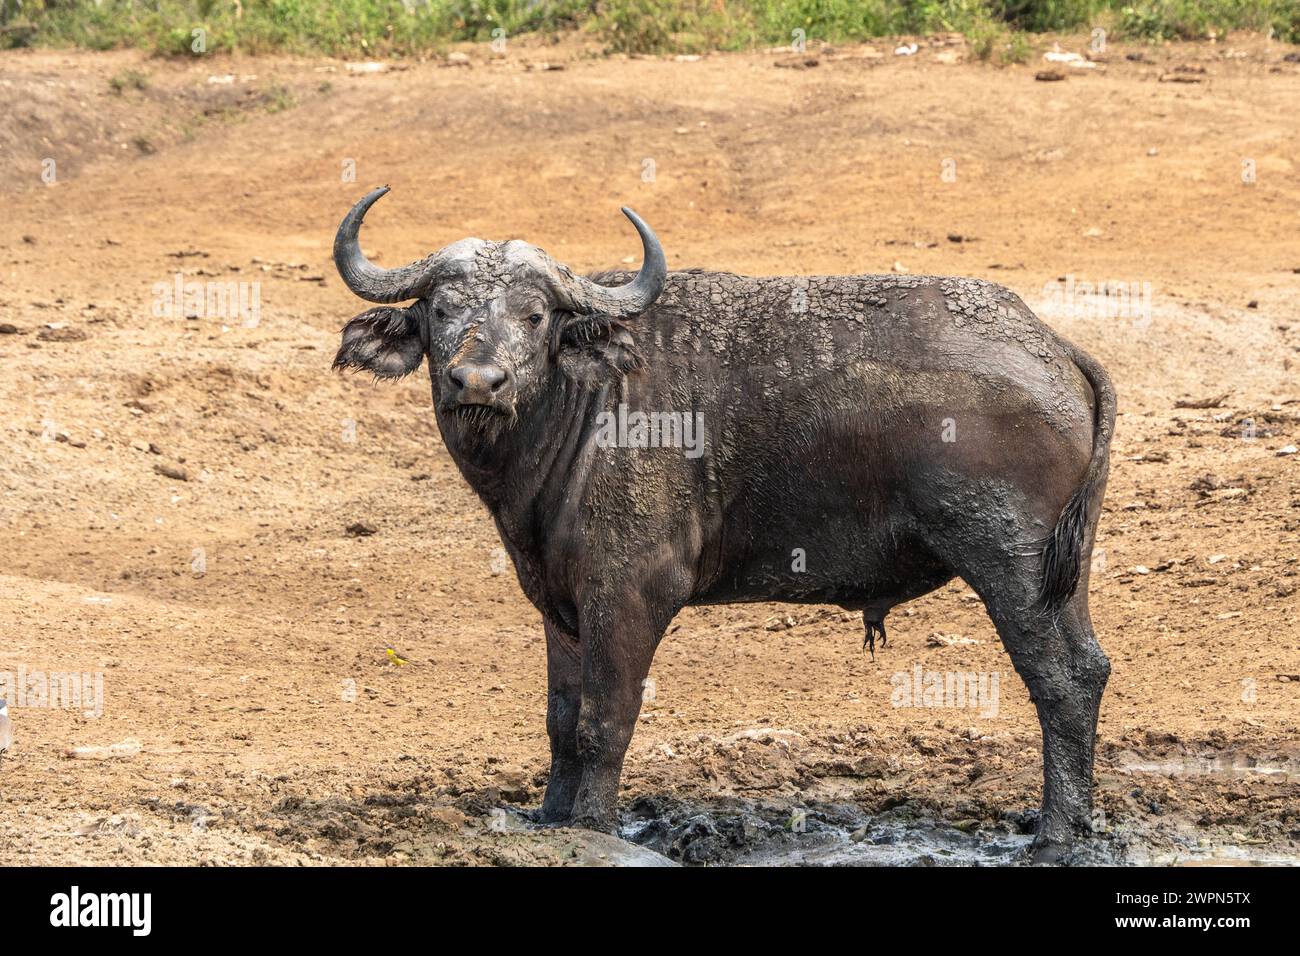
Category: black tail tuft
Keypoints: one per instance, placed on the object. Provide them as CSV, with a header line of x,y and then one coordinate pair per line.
x,y
1063,552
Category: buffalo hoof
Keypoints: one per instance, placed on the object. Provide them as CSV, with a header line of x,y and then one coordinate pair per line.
x,y
601,824
1050,853
545,818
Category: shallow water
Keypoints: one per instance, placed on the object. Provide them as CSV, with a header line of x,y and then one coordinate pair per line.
x,y
735,832
1229,765
750,833
886,844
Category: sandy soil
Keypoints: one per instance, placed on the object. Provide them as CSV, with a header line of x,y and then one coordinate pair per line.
x,y
239,627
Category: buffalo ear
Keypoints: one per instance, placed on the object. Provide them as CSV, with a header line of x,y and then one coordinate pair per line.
x,y
595,348
385,341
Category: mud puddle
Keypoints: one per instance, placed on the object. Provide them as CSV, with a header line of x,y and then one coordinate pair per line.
x,y
747,833
744,833
1197,807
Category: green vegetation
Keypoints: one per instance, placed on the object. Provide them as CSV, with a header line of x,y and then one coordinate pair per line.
x,y
404,27
128,80
278,98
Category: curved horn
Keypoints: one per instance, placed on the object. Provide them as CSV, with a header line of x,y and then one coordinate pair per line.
x,y
625,301
365,278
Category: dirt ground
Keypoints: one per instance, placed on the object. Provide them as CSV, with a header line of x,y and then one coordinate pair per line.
x,y
177,491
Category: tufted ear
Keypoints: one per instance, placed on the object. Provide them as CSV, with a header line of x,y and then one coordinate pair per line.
x,y
385,341
594,348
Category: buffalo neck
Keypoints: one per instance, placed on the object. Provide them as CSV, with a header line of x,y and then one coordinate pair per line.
x,y
540,465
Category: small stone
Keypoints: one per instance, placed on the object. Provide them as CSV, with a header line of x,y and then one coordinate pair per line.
x,y
948,640
172,471
61,334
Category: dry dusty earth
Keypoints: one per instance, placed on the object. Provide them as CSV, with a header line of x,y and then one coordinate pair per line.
x,y
177,489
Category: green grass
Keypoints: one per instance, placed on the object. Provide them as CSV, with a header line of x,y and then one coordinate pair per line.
x,y
408,27
278,98
128,80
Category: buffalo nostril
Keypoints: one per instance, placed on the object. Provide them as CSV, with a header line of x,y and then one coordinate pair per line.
x,y
487,378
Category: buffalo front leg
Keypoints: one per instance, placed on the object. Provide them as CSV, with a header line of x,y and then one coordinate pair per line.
x,y
563,700
617,647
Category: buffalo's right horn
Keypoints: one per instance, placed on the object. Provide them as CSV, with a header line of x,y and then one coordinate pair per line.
x,y
368,280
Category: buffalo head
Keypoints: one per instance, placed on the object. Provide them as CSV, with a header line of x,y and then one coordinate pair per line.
x,y
493,319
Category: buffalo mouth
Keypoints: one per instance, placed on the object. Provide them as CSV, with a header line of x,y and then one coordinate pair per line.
x,y
476,416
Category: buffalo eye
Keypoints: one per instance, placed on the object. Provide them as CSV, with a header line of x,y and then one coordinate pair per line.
x,y
438,313
535,318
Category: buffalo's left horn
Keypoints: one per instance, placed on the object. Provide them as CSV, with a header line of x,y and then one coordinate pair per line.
x,y
368,280
625,301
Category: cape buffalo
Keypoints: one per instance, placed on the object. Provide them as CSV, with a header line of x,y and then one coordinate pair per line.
x,y
890,432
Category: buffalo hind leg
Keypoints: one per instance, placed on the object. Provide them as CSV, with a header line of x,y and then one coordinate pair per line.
x,y
1065,669
618,645
1057,655
563,702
